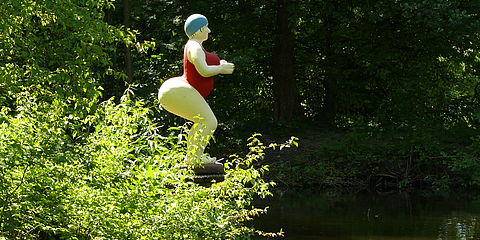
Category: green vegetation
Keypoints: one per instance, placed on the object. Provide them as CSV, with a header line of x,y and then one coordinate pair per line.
x,y
74,166
359,159
86,153
120,182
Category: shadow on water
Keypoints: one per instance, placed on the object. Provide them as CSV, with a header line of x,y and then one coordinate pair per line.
x,y
311,215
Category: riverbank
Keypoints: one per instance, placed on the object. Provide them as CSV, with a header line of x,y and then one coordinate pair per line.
x,y
352,160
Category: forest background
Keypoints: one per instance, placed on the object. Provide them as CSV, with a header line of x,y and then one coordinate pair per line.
x,y
389,89
386,91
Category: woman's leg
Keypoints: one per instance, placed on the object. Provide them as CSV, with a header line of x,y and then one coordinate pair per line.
x,y
181,99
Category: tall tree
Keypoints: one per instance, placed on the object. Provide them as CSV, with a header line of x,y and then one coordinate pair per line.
x,y
331,86
286,97
128,54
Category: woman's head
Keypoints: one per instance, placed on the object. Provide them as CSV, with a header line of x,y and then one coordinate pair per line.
x,y
195,23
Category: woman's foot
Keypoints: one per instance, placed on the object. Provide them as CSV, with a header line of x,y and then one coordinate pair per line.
x,y
207,159
204,159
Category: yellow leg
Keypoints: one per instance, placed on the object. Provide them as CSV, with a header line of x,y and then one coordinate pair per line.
x,y
181,99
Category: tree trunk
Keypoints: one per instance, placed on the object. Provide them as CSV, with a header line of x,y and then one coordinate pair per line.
x,y
330,84
128,54
285,90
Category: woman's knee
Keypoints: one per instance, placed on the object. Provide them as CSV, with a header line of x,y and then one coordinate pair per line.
x,y
214,123
210,122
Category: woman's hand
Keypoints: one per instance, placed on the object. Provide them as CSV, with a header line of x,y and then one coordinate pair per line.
x,y
226,67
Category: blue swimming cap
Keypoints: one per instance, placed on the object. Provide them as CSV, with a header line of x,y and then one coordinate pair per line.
x,y
194,23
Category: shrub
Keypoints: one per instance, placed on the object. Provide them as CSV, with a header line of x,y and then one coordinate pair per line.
x,y
120,182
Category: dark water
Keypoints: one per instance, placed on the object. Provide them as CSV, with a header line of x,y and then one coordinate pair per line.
x,y
313,215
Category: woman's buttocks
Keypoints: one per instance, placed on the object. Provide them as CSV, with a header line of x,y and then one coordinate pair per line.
x,y
175,82
176,87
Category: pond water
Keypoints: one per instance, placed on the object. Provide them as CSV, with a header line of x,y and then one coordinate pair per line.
x,y
312,215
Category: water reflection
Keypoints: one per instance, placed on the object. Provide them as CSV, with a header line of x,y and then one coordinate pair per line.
x,y
459,228
313,215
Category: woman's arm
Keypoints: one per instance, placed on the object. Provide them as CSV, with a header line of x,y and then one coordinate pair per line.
x,y
197,57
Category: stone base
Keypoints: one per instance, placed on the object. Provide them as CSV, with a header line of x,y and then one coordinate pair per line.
x,y
206,173
210,168
208,178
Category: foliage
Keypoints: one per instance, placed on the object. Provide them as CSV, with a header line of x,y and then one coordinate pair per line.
x,y
375,159
390,62
75,167
401,76
386,61
384,64
121,183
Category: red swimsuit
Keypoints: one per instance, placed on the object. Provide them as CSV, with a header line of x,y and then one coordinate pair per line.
x,y
203,85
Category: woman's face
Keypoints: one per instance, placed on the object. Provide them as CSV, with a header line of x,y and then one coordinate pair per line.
x,y
202,34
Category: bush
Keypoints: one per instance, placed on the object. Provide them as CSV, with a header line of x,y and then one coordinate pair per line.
x,y
120,182
432,158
